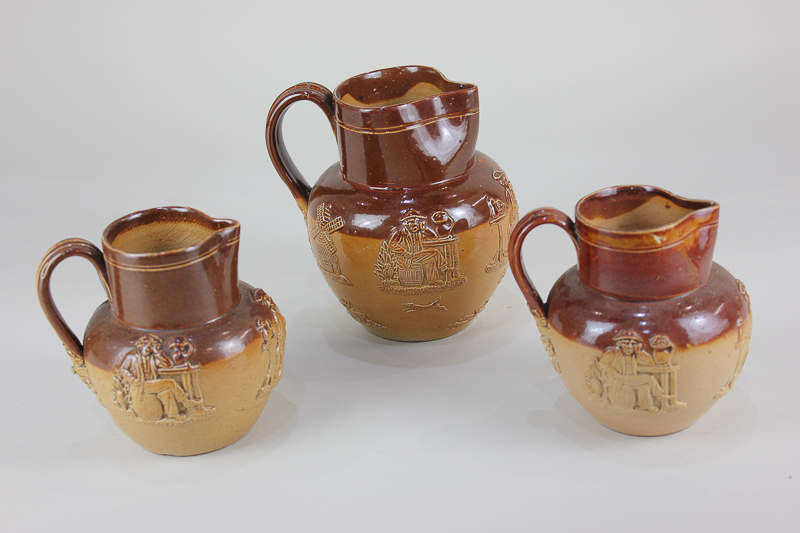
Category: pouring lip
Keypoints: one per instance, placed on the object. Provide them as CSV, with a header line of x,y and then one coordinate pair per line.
x,y
145,216
708,209
458,87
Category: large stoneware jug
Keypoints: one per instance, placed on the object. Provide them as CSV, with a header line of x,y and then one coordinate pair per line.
x,y
646,331
182,355
410,227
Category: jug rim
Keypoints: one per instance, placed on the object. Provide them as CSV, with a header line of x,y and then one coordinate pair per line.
x,y
218,227
458,87
705,210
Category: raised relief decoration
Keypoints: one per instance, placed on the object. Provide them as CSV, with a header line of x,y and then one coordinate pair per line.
x,y
467,318
410,307
417,259
361,318
271,332
742,347
325,249
503,217
80,370
544,335
628,378
159,388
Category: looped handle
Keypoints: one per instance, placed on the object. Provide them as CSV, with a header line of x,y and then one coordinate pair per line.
x,y
546,215
276,147
56,254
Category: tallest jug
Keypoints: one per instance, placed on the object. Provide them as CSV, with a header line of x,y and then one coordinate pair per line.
x,y
411,226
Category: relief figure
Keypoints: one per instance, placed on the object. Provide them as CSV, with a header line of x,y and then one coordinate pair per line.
x,y
628,377
151,385
417,259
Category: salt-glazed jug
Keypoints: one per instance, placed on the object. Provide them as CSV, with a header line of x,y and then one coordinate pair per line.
x,y
647,332
410,227
182,355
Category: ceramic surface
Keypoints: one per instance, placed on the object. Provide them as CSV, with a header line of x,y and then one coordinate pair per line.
x,y
647,332
183,355
410,227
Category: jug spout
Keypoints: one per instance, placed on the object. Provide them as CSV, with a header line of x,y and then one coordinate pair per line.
x,y
405,127
172,267
642,242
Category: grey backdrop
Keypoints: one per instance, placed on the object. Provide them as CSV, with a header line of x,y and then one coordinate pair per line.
x,y
112,107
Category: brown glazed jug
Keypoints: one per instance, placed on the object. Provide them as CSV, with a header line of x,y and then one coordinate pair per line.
x,y
647,332
410,227
182,355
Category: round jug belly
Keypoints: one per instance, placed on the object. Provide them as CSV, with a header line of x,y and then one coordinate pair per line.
x,y
410,228
183,355
410,266
646,331
651,367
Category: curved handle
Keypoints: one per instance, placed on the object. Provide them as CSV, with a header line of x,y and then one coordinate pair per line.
x,y
286,168
546,215
56,254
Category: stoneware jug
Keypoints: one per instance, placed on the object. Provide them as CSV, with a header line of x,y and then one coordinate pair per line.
x,y
182,355
410,227
647,332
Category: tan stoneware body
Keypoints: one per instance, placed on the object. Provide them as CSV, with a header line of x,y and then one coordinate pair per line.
x,y
410,227
183,355
647,332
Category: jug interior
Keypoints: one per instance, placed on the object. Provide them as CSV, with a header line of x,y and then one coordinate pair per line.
x,y
395,86
161,236
633,213
416,92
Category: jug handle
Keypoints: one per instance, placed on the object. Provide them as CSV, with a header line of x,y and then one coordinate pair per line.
x,y
546,215
286,168
56,254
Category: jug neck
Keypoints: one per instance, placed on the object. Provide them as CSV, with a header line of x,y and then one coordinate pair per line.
x,y
171,267
644,243
405,127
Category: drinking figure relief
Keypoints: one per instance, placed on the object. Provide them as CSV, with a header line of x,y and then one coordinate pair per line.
x,y
629,378
151,385
417,259
323,245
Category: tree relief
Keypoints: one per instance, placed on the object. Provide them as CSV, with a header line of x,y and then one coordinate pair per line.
x,y
544,336
80,370
272,332
742,346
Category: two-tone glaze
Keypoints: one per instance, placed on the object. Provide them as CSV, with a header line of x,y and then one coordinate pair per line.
x,y
647,332
410,227
183,354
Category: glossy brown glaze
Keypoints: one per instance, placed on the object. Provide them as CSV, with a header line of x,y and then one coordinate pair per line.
x,y
652,364
183,355
410,227
169,267
643,242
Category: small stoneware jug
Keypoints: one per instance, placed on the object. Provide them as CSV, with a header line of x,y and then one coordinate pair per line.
x,y
410,227
182,355
647,332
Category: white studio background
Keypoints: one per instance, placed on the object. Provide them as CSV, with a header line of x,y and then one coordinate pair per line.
x,y
111,107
